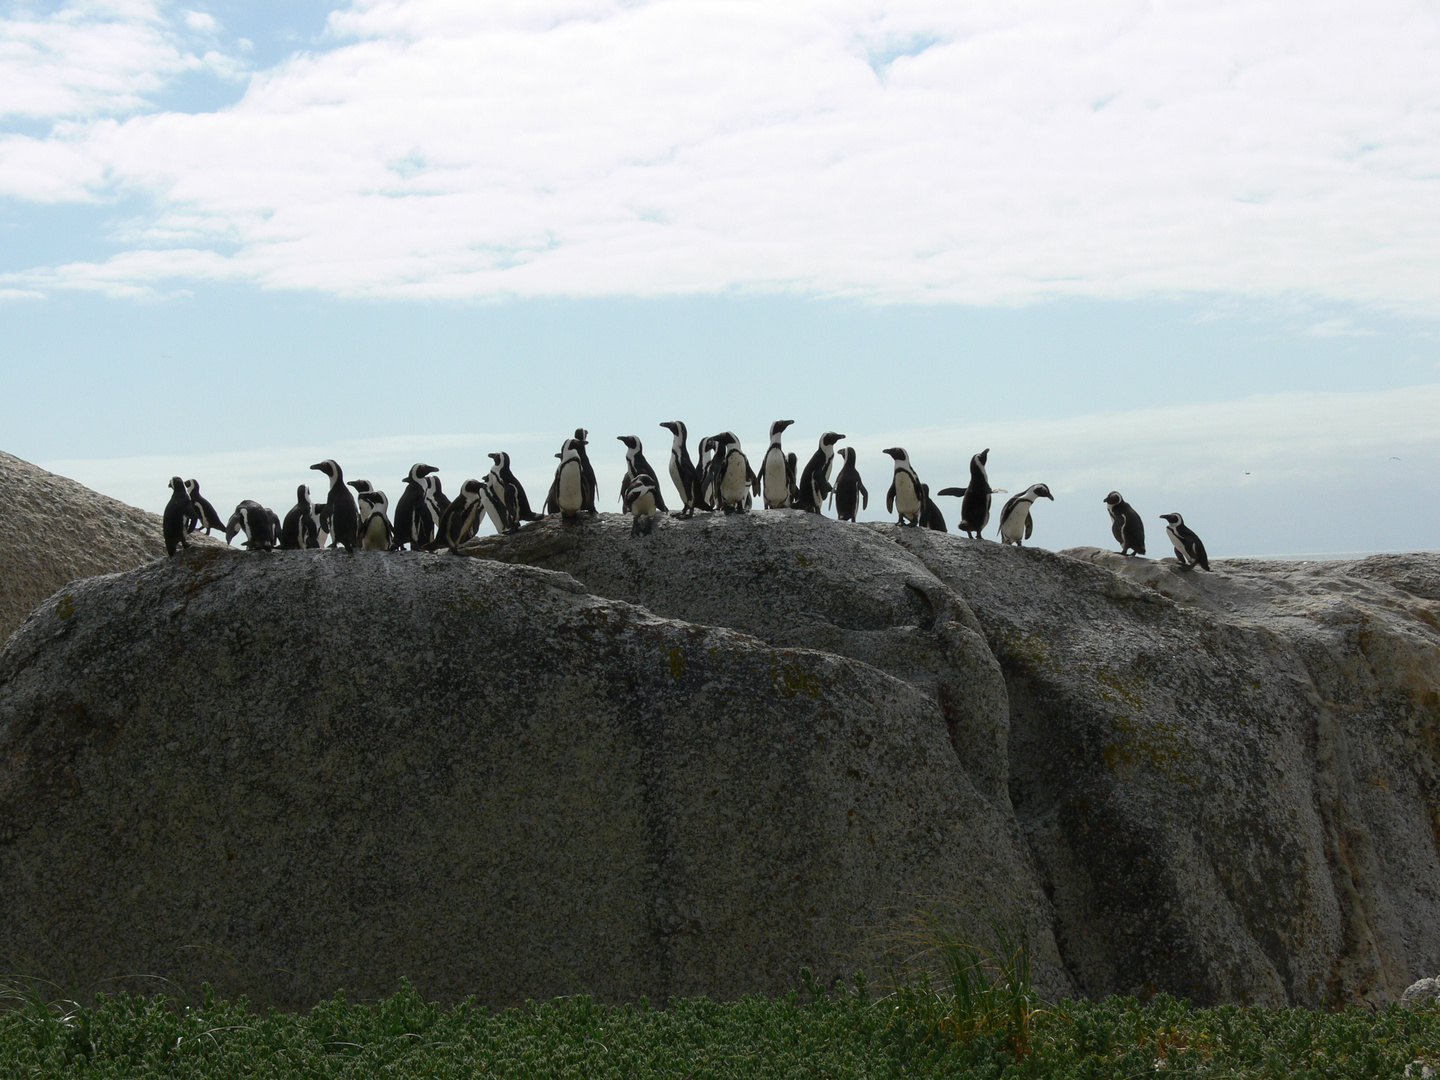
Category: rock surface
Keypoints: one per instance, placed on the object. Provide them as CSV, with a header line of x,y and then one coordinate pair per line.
x,y
694,761
293,772
53,530
1420,993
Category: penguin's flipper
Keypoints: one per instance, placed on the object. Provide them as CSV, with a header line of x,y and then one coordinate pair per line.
x,y
1029,524
890,499
864,495
959,493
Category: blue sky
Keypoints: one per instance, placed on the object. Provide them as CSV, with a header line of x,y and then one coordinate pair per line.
x,y
1187,252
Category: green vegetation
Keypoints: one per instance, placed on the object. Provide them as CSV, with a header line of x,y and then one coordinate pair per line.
x,y
842,1033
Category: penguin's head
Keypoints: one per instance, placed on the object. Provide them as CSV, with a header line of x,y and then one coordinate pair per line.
x,y
329,467
848,453
1113,499
675,427
362,486
178,486
420,471
630,441
898,454
778,426
498,458
1040,491
829,439
470,490
1173,519
192,488
235,524
581,435
302,494
983,457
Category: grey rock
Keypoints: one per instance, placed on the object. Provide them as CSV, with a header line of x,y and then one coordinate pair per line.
x,y
1421,993
291,772
54,530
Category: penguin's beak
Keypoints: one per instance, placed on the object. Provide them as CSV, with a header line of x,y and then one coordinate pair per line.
x,y
319,467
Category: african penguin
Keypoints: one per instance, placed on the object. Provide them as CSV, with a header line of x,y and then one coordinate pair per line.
x,y
344,512
177,513
376,532
461,517
849,488
682,470
1125,525
814,483
732,479
591,488
501,478
636,465
1189,551
705,500
202,514
301,526
930,516
905,496
777,479
975,497
567,490
1015,521
640,501
413,523
256,522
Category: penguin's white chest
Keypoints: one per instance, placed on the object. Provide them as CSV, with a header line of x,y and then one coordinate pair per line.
x,y
644,506
570,495
907,497
732,483
374,538
1013,527
777,488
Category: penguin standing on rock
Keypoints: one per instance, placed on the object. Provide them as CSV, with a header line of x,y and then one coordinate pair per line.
x,y
344,513
177,514
202,514
906,496
930,516
505,488
682,470
1189,551
1125,525
567,490
849,489
814,483
413,522
376,532
256,522
582,440
301,527
640,500
461,517
777,475
1015,521
731,478
637,466
706,499
975,497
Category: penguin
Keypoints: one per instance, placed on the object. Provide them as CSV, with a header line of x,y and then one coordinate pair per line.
x,y
731,478
301,526
975,496
1189,551
274,526
682,470
849,488
202,514
461,517
591,488
376,532
567,491
1125,525
814,483
777,478
322,515
177,515
792,463
905,496
413,522
635,466
256,522
640,501
706,498
930,516
344,513
361,487
502,502
502,475
1015,522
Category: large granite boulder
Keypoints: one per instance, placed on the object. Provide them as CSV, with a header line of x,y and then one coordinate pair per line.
x,y
291,772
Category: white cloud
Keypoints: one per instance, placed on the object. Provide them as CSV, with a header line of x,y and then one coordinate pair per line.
x,y
905,151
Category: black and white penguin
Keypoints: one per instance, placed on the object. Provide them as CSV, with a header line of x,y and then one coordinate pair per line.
x,y
975,497
256,522
322,513
177,516
1125,525
502,479
1189,551
637,465
344,512
592,489
361,487
905,496
413,522
777,478
814,485
706,498
1015,522
682,470
461,517
640,501
376,532
568,489
930,516
301,527
849,488
274,526
731,478
202,514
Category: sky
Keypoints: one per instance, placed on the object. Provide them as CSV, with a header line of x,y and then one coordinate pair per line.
x,y
1186,250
